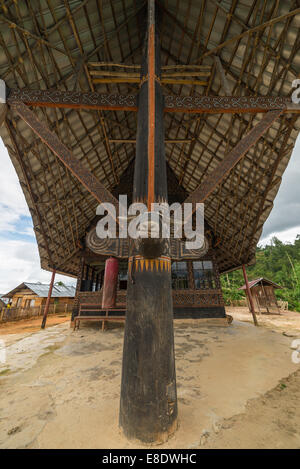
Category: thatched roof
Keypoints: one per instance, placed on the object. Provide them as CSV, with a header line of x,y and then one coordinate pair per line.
x,y
51,43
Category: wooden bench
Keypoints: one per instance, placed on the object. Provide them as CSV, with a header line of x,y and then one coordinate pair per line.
x,y
86,307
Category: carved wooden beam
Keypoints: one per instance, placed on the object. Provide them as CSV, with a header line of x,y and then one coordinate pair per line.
x,y
186,104
3,112
73,99
32,195
229,104
233,157
148,403
3,105
89,181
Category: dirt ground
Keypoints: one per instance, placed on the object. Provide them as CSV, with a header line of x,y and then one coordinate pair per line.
x,y
12,331
32,324
287,321
237,386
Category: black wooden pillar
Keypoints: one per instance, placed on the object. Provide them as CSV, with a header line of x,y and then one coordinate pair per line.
x,y
148,407
79,284
97,282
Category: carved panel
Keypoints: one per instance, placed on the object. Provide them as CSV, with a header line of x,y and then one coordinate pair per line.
x,y
201,298
90,297
119,247
207,104
73,99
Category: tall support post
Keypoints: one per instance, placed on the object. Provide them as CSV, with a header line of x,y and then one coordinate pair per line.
x,y
148,405
249,294
110,283
48,300
86,278
92,279
266,297
80,277
97,282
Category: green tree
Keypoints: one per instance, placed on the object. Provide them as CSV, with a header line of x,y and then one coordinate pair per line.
x,y
277,261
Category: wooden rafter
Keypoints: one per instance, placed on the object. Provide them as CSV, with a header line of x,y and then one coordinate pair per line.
x,y
251,31
88,180
216,176
31,194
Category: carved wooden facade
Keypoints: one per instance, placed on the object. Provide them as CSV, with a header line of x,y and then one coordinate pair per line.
x,y
191,298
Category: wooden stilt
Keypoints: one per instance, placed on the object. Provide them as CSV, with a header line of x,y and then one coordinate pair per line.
x,y
148,406
80,278
266,298
249,294
48,300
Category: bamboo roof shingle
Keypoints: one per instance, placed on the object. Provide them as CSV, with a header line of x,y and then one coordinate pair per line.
x,y
56,44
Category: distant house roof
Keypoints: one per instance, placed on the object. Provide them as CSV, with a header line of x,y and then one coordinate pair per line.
x,y
262,280
41,290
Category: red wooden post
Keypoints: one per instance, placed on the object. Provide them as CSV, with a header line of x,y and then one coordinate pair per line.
x,y
48,300
249,294
110,283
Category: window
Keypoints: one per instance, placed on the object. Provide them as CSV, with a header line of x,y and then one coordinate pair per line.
x,y
204,275
180,276
19,301
29,303
123,277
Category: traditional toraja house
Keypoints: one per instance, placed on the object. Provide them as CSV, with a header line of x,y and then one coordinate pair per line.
x,y
189,100
34,295
263,295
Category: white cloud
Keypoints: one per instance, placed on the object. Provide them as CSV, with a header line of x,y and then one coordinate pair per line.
x,y
19,262
19,259
284,219
12,201
286,236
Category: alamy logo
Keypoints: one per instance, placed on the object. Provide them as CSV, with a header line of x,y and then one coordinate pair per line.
x,y
296,93
296,353
163,221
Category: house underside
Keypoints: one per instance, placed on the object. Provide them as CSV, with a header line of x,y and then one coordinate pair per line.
x,y
208,49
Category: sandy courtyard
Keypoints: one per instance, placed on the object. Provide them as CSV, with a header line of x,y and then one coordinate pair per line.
x,y
237,385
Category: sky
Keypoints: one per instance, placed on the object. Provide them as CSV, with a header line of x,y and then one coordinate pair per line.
x,y
284,220
19,259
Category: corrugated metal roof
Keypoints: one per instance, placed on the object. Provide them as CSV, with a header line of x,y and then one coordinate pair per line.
x,y
58,290
41,289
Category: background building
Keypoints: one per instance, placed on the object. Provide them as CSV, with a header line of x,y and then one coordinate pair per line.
x,y
28,299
